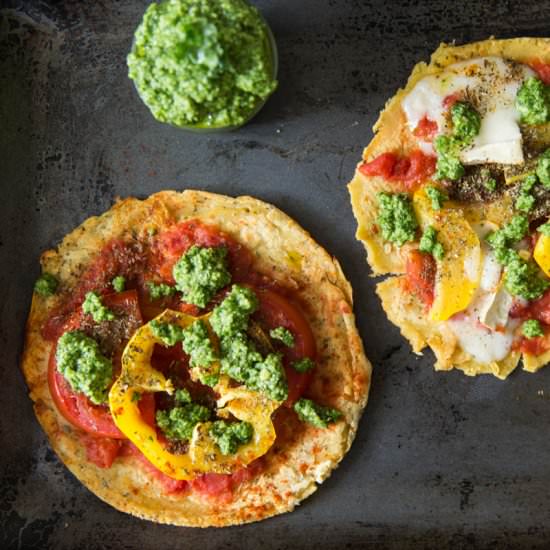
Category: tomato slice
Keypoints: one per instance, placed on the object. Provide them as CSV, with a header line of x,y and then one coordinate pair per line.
x,y
76,407
275,311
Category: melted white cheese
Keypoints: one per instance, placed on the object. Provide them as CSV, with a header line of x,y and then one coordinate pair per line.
x,y
494,82
484,330
483,344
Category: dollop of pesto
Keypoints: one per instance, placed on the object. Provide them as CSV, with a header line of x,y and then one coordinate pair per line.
x,y
200,273
429,243
396,218
195,342
46,284
314,414
178,423
437,196
466,123
543,168
448,166
525,200
230,436
160,290
533,102
532,329
82,364
118,283
202,64
282,334
544,229
521,277
489,182
169,333
231,316
509,234
303,365
93,306
241,361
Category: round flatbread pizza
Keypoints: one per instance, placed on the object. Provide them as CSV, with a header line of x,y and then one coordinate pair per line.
x,y
452,198
193,358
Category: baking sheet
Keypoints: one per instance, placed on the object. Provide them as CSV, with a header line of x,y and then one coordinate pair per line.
x,y
440,460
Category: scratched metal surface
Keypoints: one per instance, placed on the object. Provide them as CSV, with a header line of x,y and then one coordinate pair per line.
x,y
440,460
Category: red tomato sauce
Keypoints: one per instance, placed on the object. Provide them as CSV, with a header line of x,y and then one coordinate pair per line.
x,y
538,309
171,244
535,346
420,276
426,129
408,171
542,69
101,438
451,99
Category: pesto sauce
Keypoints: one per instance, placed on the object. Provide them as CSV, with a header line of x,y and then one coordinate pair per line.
x,y
178,422
521,277
83,365
197,63
396,218
159,290
533,102
200,273
241,361
46,284
525,200
195,342
284,335
532,329
118,283
314,414
303,365
437,196
231,316
230,436
466,123
93,306
543,168
430,244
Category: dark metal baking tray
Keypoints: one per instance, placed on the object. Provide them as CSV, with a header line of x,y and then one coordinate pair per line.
x,y
440,460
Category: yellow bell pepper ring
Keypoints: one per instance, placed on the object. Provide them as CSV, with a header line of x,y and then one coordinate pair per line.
x,y
204,455
541,254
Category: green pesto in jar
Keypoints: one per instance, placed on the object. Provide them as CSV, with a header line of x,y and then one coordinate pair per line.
x,y
203,64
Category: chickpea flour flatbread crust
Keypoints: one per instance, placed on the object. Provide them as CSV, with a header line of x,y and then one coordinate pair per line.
x,y
283,251
392,134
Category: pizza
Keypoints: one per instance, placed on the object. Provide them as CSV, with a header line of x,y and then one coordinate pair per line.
x,y
193,358
452,200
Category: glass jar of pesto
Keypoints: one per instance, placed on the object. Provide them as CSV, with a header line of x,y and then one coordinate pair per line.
x,y
203,64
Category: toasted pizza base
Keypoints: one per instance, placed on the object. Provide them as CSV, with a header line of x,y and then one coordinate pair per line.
x,y
392,134
286,253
